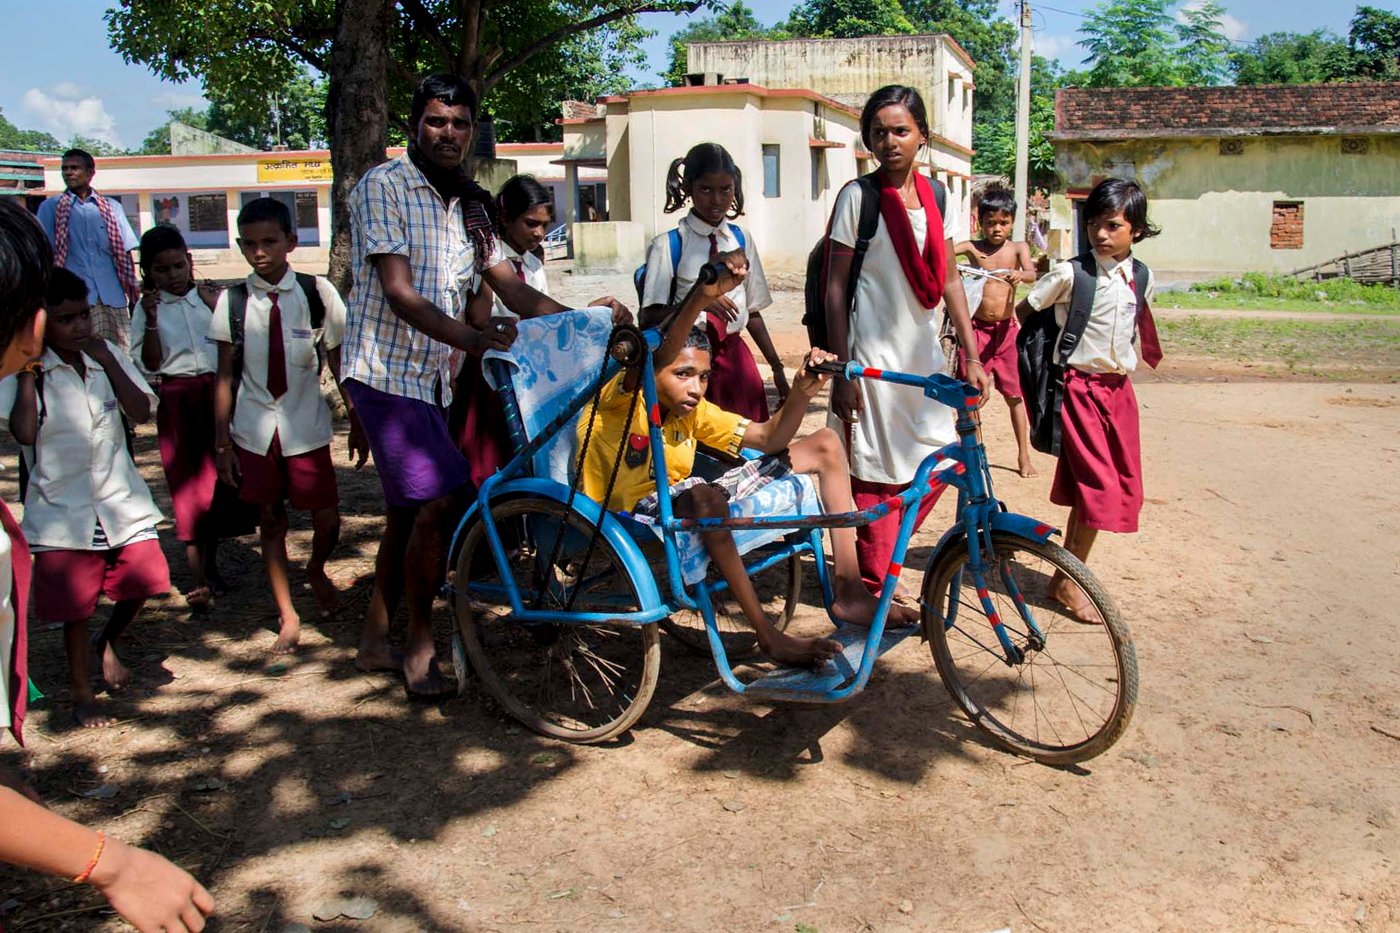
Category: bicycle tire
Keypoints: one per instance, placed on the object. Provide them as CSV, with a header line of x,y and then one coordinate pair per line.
x,y
518,664
999,693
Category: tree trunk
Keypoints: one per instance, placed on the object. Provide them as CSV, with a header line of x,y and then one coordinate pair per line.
x,y
357,113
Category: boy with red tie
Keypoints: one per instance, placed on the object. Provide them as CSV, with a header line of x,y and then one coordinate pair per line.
x,y
272,428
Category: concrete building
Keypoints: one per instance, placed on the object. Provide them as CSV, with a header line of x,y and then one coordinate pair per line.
x,y
1266,178
848,70
546,162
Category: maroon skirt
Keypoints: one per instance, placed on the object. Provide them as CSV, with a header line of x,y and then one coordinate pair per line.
x,y
735,384
477,422
204,507
1099,473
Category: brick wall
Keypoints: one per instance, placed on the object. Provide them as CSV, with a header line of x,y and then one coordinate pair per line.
x,y
1195,111
1286,230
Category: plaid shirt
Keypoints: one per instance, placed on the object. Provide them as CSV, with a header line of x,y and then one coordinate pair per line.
x,y
394,211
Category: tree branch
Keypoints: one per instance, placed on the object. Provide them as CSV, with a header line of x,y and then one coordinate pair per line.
x,y
573,29
424,23
296,47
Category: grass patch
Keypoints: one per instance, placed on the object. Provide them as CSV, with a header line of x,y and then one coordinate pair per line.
x,y
1311,347
1256,291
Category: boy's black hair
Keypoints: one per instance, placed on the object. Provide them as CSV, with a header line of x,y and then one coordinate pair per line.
x,y
517,196
699,339
26,262
64,286
451,89
159,239
704,159
1120,194
996,198
889,96
82,154
262,209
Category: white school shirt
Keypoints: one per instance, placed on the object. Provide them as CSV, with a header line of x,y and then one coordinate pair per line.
x,y
890,329
1107,344
183,325
81,476
751,296
533,268
301,419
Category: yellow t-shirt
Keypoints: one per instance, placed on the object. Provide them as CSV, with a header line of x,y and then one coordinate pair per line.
x,y
708,424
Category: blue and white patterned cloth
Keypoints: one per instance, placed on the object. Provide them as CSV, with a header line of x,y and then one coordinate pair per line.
x,y
551,358
394,211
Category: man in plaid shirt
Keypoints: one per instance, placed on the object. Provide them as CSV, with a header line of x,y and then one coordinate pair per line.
x,y
422,242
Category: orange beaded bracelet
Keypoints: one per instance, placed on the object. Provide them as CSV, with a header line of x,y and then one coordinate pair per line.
x,y
87,872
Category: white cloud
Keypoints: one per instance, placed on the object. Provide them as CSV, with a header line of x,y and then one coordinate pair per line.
x,y
66,111
1234,29
174,101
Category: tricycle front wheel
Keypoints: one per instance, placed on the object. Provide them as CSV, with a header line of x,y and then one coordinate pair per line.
x,y
578,682
1067,689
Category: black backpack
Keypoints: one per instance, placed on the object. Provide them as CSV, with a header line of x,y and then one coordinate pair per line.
x,y
238,318
1042,350
814,316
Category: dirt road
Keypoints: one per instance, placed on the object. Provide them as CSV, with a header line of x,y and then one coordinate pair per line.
x,y
1255,789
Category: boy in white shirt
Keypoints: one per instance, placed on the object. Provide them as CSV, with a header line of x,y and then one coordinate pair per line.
x,y
88,516
272,428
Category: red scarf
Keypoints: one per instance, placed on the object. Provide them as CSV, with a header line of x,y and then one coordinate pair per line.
x,y
121,257
926,272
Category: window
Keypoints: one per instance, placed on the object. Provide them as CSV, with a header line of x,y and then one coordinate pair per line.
x,y
301,205
1286,229
818,173
202,218
129,203
772,170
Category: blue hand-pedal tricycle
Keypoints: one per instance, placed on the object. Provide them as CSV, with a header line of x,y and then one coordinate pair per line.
x,y
558,601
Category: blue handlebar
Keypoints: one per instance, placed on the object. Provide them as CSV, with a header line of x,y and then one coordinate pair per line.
x,y
943,389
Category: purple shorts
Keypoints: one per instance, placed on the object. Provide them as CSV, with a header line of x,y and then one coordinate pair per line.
x,y
413,451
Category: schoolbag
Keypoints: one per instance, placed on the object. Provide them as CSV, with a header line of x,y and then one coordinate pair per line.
x,y
814,314
238,318
1043,350
24,466
639,277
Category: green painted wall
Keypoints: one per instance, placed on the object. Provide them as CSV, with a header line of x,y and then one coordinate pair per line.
x,y
1215,210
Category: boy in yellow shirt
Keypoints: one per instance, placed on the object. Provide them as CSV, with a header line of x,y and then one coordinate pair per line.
x,y
682,365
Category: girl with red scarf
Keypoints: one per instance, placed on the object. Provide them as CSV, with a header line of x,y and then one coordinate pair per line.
x,y
888,319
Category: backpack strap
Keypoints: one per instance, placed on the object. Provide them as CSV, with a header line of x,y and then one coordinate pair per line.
x,y
1081,302
940,196
738,235
1140,276
314,303
237,320
866,226
673,240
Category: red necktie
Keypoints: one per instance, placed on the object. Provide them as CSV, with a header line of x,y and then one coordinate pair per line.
x,y
519,268
276,352
714,248
1147,332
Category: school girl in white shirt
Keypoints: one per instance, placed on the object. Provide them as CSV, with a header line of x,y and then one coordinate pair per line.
x,y
710,182
909,270
170,342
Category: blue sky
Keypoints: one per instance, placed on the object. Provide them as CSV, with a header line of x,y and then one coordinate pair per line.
x,y
64,78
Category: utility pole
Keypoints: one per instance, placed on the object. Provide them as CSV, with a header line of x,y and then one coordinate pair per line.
x,y
1023,125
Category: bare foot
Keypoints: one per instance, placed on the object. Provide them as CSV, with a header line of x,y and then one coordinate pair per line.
x,y
114,673
199,599
424,678
381,657
1026,468
1076,602
327,596
855,604
801,652
88,714
288,637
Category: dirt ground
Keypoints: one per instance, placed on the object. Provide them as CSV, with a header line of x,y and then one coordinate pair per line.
x,y
1255,790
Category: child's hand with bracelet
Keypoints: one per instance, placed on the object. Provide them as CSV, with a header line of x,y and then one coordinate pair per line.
x,y
148,891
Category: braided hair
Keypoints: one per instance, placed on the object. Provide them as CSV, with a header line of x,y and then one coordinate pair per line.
x,y
704,159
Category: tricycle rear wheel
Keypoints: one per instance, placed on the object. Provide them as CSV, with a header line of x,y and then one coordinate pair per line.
x,y
582,683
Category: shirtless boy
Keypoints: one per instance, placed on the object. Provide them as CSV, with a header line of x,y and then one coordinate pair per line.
x,y
994,321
